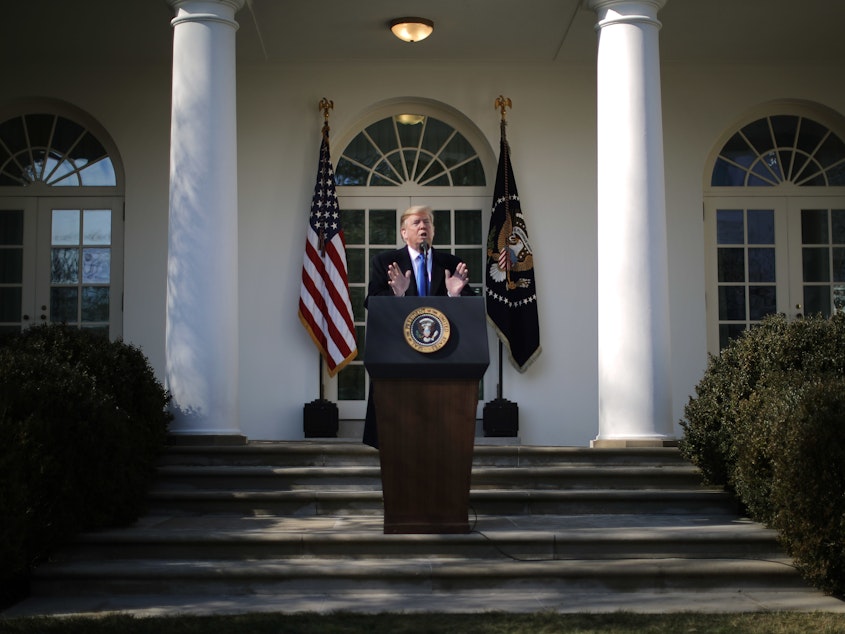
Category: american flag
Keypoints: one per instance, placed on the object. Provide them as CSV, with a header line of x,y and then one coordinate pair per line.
x,y
324,305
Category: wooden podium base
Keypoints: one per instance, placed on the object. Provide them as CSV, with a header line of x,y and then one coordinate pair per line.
x,y
426,430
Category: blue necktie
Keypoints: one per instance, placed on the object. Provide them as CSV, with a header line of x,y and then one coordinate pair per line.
x,y
422,277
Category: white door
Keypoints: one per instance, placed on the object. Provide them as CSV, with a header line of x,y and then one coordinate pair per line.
x,y
62,262
771,255
817,246
371,226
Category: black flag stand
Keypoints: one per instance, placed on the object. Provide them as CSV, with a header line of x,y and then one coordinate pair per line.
x,y
501,416
320,417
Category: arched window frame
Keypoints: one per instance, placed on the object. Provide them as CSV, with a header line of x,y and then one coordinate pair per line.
x,y
63,110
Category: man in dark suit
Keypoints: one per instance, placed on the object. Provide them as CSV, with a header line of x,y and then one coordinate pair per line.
x,y
398,273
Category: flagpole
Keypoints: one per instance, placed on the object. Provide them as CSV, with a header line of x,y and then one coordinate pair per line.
x,y
501,416
324,248
502,104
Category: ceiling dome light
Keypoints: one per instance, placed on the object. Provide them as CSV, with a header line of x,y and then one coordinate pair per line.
x,y
411,29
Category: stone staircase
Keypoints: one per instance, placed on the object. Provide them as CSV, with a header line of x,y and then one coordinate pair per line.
x,y
295,520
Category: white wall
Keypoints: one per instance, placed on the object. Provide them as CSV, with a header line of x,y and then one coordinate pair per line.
x,y
552,134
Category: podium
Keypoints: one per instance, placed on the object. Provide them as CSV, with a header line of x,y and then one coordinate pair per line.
x,y
425,357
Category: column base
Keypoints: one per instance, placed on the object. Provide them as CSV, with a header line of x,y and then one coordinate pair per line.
x,y
629,443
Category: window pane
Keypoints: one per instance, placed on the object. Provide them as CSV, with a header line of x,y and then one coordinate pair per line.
x,y
96,266
762,301
65,226
817,300
727,175
729,332
11,266
729,226
383,135
350,383
732,303
360,338
11,227
468,226
383,229
410,128
759,135
96,226
814,226
64,267
442,226
436,134
731,265
353,225
356,297
457,150
761,226
10,304
839,264
356,265
816,264
475,261
95,303
99,174
837,220
839,298
348,173
761,265
469,174
63,305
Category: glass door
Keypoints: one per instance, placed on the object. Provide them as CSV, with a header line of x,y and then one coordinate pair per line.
x,y
61,261
817,246
772,255
17,265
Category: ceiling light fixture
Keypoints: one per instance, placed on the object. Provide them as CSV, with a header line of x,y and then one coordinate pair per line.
x,y
411,29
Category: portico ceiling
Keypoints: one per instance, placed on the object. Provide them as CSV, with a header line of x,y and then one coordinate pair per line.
x,y
540,31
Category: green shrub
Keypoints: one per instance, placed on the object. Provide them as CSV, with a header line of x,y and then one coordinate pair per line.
x,y
802,348
808,484
767,423
82,423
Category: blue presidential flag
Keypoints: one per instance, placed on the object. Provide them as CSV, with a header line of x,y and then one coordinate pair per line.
x,y
511,289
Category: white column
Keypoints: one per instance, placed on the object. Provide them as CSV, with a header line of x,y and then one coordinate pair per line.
x,y
635,406
202,263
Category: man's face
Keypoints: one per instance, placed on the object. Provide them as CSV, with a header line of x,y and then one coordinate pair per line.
x,y
416,228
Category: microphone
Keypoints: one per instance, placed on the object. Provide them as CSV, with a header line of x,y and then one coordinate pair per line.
x,y
424,248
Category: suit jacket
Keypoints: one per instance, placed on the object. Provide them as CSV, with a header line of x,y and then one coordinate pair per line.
x,y
441,261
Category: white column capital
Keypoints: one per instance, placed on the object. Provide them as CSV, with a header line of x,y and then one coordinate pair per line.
x,y
206,11
626,11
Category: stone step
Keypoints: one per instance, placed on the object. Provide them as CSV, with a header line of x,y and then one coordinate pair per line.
x,y
549,537
266,477
412,575
348,453
306,518
483,501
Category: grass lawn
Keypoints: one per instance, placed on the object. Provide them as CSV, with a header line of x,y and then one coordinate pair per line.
x,y
489,623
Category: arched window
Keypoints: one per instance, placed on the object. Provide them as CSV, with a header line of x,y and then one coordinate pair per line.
x,y
410,148
54,150
778,149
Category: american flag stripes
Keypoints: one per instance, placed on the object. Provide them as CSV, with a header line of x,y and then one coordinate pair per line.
x,y
324,305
